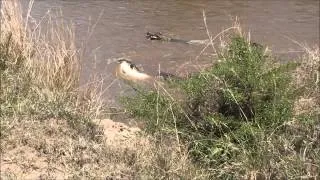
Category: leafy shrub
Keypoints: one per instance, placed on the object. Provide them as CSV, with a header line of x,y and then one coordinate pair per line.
x,y
228,112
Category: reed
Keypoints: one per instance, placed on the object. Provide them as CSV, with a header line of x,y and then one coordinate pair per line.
x,y
48,124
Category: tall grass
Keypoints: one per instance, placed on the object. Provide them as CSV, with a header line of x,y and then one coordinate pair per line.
x,y
40,70
239,117
42,107
247,116
47,129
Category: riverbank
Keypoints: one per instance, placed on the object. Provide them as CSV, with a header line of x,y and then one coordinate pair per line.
x,y
53,128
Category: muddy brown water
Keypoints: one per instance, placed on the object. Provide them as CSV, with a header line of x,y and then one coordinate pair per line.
x,y
120,30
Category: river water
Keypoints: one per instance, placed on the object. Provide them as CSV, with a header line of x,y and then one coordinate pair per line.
x,y
121,26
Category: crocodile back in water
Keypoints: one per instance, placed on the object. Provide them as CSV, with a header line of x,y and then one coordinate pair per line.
x,y
158,36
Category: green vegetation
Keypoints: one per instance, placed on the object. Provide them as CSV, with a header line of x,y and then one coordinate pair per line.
x,y
48,121
237,117
245,117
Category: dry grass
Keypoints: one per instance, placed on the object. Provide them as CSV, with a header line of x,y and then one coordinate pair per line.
x,y
307,76
47,121
64,154
49,127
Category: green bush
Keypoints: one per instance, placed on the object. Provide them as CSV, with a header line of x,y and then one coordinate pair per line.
x,y
229,113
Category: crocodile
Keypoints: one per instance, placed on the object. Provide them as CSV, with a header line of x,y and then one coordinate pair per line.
x,y
160,37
